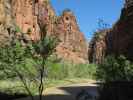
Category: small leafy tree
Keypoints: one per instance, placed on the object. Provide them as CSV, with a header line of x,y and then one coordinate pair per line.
x,y
13,60
43,49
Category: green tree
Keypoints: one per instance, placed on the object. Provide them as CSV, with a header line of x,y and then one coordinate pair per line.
x,y
43,49
115,69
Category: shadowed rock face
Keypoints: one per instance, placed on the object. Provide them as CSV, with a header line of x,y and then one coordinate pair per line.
x,y
98,47
32,16
121,35
119,39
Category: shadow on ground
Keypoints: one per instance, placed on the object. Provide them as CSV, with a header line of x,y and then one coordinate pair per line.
x,y
76,93
109,91
72,93
5,96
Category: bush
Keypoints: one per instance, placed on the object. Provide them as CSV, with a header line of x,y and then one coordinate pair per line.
x,y
62,69
115,69
12,58
85,70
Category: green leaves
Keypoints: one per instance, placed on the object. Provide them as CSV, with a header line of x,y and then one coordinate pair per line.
x,y
46,46
115,69
12,57
18,29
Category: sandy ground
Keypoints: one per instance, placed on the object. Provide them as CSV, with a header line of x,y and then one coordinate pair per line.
x,y
69,92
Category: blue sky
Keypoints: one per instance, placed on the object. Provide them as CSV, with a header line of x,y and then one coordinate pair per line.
x,y
88,12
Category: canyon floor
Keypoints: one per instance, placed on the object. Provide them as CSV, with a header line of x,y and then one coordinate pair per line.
x,y
77,91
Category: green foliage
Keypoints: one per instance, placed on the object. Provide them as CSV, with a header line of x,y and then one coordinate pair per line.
x,y
85,70
115,69
46,46
32,63
12,58
17,29
26,63
97,35
62,70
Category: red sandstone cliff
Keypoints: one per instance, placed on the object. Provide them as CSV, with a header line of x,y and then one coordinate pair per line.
x,y
73,45
32,16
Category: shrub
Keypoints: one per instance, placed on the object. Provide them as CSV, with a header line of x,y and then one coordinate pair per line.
x,y
85,70
115,69
12,58
63,69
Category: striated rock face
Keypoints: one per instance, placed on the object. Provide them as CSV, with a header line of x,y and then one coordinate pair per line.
x,y
29,18
98,47
32,16
118,40
6,22
73,45
25,18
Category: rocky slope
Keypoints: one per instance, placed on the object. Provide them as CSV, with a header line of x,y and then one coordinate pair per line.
x,y
30,17
119,39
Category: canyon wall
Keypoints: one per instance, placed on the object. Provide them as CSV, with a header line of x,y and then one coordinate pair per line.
x,y
29,18
98,47
121,35
119,39
32,16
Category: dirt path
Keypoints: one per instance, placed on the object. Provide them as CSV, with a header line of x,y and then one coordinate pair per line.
x,y
70,92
